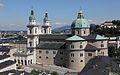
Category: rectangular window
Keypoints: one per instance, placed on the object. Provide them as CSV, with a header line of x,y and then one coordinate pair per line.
x,y
89,54
54,52
72,54
81,46
72,46
61,52
102,45
40,51
81,54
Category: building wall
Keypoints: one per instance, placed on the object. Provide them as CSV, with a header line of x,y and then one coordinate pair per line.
x,y
19,47
76,55
99,44
82,32
89,55
76,60
24,60
50,57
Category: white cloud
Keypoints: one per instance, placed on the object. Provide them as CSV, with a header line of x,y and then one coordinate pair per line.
x,y
1,5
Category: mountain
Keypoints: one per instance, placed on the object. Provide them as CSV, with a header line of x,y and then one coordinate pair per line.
x,y
62,29
68,27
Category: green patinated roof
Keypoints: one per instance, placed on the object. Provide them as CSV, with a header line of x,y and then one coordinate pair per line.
x,y
98,37
80,22
75,38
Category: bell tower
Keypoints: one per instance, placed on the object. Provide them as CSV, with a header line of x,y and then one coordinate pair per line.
x,y
32,31
46,25
32,35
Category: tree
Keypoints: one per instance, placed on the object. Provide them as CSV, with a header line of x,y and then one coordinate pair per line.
x,y
111,51
34,72
54,73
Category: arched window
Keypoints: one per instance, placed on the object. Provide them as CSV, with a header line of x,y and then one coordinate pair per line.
x,y
22,62
18,61
84,32
72,60
35,30
30,30
30,43
25,62
31,61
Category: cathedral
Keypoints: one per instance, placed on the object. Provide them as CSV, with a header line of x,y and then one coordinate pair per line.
x,y
73,50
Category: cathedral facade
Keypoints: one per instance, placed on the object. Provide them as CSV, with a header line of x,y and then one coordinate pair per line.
x,y
72,50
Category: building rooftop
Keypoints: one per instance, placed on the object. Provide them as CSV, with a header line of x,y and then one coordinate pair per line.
x,y
75,38
90,48
4,56
51,45
63,37
99,66
6,64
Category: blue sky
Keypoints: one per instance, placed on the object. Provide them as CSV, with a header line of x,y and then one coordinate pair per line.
x,y
14,13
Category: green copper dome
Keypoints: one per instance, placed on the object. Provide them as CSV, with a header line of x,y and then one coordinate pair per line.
x,y
80,22
32,17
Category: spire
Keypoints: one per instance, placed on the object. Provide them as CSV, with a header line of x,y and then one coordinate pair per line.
x,y
46,14
32,17
80,15
32,12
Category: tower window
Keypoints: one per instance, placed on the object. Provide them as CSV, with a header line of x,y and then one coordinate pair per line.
x,y
35,30
46,57
40,57
102,45
81,60
72,46
30,43
84,32
72,60
72,54
81,46
44,30
25,62
53,57
78,32
81,54
40,51
47,52
89,54
30,31
54,52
